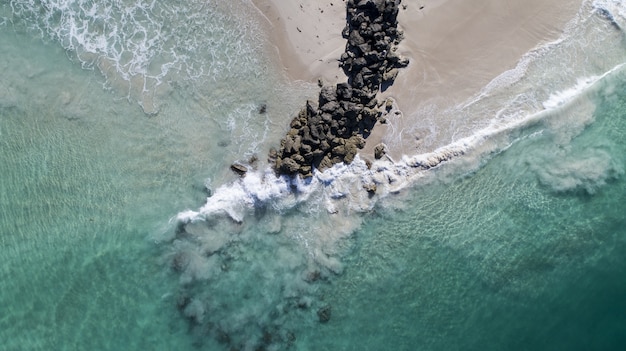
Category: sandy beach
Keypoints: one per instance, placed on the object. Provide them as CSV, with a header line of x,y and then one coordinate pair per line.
x,y
306,36
455,47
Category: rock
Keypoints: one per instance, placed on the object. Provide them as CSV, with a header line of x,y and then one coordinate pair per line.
x,y
355,38
238,168
252,161
370,188
289,166
324,314
388,105
295,123
364,48
379,151
311,108
297,143
330,106
344,91
390,76
272,154
325,163
288,145
327,94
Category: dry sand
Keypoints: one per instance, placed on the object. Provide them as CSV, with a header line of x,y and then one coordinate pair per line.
x,y
307,36
456,47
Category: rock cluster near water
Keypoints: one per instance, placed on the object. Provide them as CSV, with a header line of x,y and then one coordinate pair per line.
x,y
334,128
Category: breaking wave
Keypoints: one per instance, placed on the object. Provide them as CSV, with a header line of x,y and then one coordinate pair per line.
x,y
142,47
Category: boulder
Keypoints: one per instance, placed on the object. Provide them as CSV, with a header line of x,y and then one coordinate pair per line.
x,y
355,38
239,169
379,151
390,75
289,166
324,314
327,94
330,106
370,188
344,91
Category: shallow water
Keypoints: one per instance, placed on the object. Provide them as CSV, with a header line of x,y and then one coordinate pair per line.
x,y
516,242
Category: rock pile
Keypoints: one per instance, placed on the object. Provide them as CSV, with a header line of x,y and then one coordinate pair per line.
x,y
333,129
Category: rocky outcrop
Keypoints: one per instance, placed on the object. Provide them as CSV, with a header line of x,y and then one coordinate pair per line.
x,y
333,129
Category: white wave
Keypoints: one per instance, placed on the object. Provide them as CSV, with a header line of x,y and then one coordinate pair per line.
x,y
612,10
342,188
139,45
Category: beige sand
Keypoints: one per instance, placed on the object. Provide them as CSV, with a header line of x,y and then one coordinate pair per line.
x,y
456,47
307,36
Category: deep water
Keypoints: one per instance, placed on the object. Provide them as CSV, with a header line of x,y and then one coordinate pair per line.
x,y
109,152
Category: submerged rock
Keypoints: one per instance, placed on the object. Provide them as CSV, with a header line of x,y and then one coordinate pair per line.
x,y
370,188
323,314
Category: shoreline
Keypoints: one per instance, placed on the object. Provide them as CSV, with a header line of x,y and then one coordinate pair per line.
x,y
454,48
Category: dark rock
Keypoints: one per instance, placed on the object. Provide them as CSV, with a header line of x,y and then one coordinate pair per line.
x,y
388,105
295,123
263,108
253,160
370,188
288,145
390,76
364,48
339,150
358,81
330,106
327,94
344,91
359,63
289,166
379,151
238,168
325,163
324,314
332,130
355,38
272,154
311,108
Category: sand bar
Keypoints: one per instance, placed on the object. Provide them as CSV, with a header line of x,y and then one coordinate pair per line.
x,y
456,47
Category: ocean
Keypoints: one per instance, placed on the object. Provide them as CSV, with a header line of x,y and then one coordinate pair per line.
x,y
122,227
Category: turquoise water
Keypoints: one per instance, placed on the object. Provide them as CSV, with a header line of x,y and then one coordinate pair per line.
x,y
498,260
517,244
